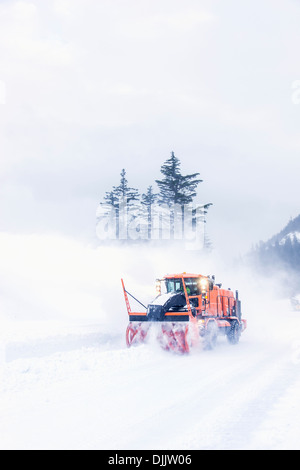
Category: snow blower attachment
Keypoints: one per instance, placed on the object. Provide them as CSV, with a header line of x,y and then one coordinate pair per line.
x,y
192,309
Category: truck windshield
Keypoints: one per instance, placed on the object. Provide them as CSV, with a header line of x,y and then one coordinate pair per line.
x,y
192,285
174,285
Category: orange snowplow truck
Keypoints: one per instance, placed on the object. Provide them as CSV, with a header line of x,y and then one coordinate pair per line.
x,y
189,309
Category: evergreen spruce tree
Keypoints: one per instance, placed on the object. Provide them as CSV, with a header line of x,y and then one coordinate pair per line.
x,y
199,217
107,215
174,187
131,216
148,201
111,199
124,193
123,200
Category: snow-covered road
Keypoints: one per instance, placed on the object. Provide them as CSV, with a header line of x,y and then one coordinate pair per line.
x,y
109,397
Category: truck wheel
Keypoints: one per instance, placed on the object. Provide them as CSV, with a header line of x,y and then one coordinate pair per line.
x,y
234,333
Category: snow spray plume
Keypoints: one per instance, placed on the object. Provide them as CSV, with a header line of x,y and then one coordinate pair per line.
x,y
57,279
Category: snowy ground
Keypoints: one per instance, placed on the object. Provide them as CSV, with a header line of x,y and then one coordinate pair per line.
x,y
69,382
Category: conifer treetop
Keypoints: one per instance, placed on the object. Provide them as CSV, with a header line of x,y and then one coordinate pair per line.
x,y
174,187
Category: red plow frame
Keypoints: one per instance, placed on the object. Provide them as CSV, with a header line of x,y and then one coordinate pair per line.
x,y
177,336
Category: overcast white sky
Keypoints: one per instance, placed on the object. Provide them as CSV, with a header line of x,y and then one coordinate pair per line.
x,y
94,86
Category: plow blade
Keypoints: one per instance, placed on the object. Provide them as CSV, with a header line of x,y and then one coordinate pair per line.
x,y
174,337
136,333
169,318
171,336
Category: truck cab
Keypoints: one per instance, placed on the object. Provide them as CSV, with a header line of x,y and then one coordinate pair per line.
x,y
207,298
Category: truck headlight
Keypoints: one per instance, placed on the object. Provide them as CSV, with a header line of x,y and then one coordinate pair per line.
x,y
203,285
